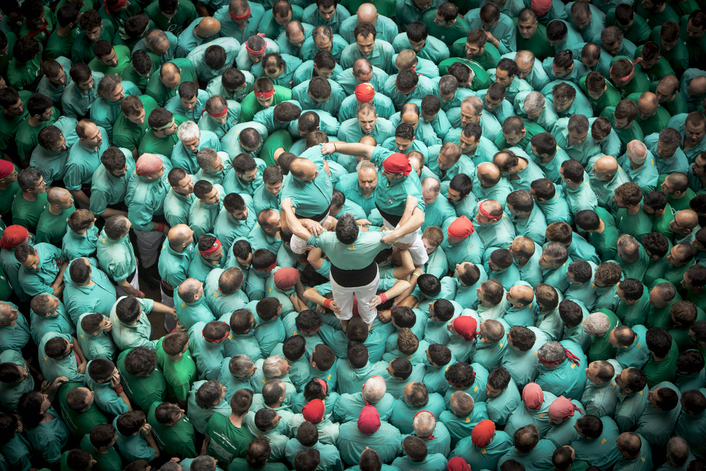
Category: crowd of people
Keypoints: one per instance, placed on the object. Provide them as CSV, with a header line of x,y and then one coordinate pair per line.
x,y
391,236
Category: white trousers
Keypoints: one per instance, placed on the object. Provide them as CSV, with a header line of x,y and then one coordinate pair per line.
x,y
149,245
417,249
363,294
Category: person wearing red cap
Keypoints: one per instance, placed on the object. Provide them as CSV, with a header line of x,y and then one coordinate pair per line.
x,y
315,413
282,283
210,256
369,432
464,334
239,19
367,123
354,82
484,447
398,195
11,238
563,414
8,185
145,201
533,410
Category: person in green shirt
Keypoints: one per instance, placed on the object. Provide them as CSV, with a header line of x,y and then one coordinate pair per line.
x,y
131,125
52,226
13,114
163,84
144,383
109,59
92,29
41,114
444,23
88,289
78,408
15,380
78,98
172,430
633,26
600,92
63,37
22,69
92,333
117,256
29,202
140,69
178,366
135,440
661,366
227,437
60,355
264,95
171,16
599,325
131,327
100,443
532,35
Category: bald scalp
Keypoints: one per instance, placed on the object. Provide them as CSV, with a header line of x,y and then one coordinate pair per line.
x,y
522,293
303,169
367,13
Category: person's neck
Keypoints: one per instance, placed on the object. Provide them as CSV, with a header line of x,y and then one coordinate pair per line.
x,y
34,122
661,8
573,185
93,148
54,210
601,227
88,282
29,196
63,31
5,185
633,210
177,249
237,421
102,451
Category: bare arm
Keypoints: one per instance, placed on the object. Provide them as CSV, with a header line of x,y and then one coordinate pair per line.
x,y
292,222
398,288
81,197
109,212
146,432
315,258
79,352
127,287
402,272
355,149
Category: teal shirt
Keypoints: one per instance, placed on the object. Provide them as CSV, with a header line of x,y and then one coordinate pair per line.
x,y
49,438
53,164
10,393
117,257
59,323
95,346
39,281
106,398
487,457
136,335
173,265
539,458
568,379
351,442
601,451
52,369
75,245
145,198
656,425
98,297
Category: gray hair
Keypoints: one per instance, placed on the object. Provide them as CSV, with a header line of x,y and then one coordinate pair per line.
x,y
188,130
272,367
636,151
375,389
107,84
534,101
475,102
551,352
424,424
239,365
206,157
431,184
366,164
596,324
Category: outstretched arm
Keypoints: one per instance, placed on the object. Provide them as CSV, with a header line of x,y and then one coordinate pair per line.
x,y
355,149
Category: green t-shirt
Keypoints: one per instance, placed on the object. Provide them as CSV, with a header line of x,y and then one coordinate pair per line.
x,y
537,44
180,375
128,134
226,441
278,139
123,54
52,228
110,461
664,370
7,196
79,423
142,390
160,145
249,107
26,137
448,35
26,213
177,440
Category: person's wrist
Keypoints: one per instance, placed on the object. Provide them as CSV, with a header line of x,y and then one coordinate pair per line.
x,y
383,298
327,303
118,389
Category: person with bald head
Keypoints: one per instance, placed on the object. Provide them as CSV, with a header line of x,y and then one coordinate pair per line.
x,y
84,159
678,451
518,168
174,260
293,35
450,162
200,31
676,187
164,83
526,254
650,115
685,225
438,211
695,84
667,92
367,123
639,166
310,191
53,220
367,13
606,176
519,311
489,184
190,304
635,453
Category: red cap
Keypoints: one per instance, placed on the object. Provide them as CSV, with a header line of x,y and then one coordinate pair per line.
x,y
6,168
461,228
457,464
466,327
533,396
148,164
314,411
482,433
364,92
286,277
13,236
369,420
397,163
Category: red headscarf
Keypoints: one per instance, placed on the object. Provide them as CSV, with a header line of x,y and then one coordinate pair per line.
x,y
397,163
6,168
482,433
533,396
466,327
286,277
314,411
369,420
216,245
457,464
13,236
364,92
563,407
540,7
148,164
461,228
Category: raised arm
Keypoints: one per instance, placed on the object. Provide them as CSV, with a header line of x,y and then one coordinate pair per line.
x,y
355,149
292,222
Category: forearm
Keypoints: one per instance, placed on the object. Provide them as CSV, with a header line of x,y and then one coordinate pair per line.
x,y
410,204
413,223
398,288
315,258
125,399
78,350
81,197
153,444
295,226
314,296
127,288
109,212
355,149
402,272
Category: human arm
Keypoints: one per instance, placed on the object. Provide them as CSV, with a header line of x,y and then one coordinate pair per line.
x,y
163,309
146,431
407,267
118,388
355,149
128,289
413,222
315,258
58,285
81,197
325,303
292,222
51,387
79,352
398,288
